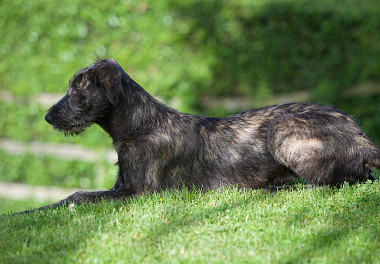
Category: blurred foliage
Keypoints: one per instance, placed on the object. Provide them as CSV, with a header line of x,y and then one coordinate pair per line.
x,y
50,171
192,48
187,50
25,122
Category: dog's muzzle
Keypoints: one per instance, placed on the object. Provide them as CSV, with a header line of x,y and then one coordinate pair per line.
x,y
48,118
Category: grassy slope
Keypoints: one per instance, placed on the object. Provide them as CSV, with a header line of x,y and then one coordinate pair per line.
x,y
230,226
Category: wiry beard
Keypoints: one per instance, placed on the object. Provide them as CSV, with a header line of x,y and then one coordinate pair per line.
x,y
72,128
73,132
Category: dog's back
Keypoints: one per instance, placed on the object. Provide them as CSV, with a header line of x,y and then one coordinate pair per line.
x,y
260,147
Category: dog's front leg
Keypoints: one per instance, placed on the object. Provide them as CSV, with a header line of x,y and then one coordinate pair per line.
x,y
96,196
86,197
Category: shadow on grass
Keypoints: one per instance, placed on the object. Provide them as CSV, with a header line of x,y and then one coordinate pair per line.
x,y
56,236
196,215
343,222
41,237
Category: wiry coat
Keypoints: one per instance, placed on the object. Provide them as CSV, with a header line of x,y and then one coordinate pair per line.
x,y
159,147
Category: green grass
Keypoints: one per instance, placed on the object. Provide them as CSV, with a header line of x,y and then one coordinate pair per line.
x,y
322,225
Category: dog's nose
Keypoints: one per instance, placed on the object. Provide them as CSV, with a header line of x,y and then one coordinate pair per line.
x,y
48,118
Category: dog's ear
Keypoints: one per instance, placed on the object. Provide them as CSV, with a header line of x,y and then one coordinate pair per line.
x,y
109,77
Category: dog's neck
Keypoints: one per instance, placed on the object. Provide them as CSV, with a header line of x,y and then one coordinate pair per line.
x,y
138,108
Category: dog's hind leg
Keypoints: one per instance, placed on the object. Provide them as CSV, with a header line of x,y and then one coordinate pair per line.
x,y
320,147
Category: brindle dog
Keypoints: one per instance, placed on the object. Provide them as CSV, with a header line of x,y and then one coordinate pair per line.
x,y
160,148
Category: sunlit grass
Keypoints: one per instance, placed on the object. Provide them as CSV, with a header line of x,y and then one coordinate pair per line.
x,y
322,225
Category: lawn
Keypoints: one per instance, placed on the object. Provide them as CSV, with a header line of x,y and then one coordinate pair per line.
x,y
322,225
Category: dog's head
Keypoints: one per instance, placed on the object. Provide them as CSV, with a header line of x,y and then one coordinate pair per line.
x,y
92,92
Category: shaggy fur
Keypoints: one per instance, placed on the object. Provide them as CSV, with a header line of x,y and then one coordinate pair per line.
x,y
160,148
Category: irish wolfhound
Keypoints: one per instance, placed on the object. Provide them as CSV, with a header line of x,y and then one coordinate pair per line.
x,y
160,148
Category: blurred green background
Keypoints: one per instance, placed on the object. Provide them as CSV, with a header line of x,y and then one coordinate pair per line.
x,y
212,57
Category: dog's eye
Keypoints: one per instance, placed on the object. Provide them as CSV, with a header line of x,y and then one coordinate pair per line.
x,y
72,90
